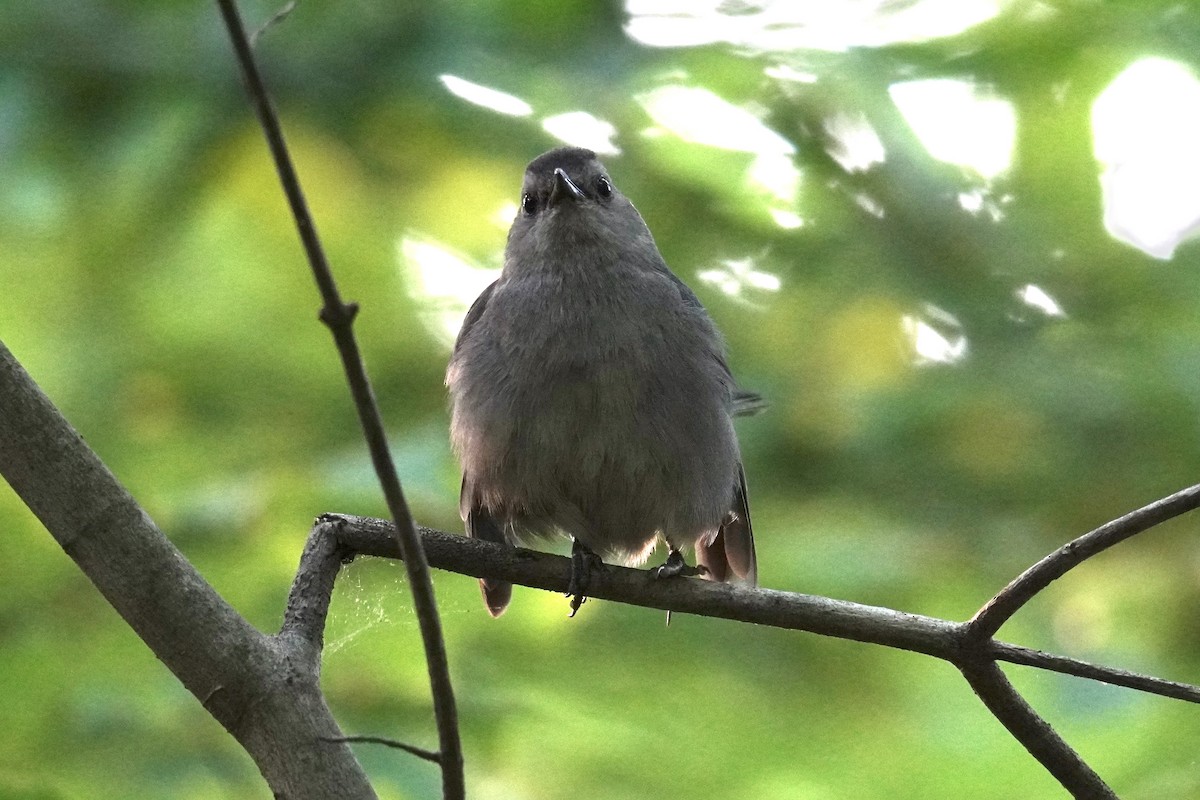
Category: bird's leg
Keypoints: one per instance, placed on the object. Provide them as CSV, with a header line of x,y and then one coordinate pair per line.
x,y
675,565
583,563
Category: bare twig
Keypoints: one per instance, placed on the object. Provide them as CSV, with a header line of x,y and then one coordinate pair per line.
x,y
1000,608
951,641
419,752
1042,742
339,316
1015,654
276,18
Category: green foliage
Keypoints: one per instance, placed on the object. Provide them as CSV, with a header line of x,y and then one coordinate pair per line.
x,y
154,286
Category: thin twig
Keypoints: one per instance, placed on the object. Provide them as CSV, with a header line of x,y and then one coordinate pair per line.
x,y
1011,598
276,18
339,317
1025,656
1033,732
419,752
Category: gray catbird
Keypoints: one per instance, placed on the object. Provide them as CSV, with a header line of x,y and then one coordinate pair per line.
x,y
590,392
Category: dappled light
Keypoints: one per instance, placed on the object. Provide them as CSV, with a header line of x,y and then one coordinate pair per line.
x,y
959,123
981,202
935,336
1146,126
1036,297
695,114
783,25
581,129
740,278
487,97
857,146
444,282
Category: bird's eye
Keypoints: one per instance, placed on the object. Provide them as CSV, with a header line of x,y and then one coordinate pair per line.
x,y
603,187
528,204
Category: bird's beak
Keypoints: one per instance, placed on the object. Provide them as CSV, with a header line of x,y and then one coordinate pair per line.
x,y
564,188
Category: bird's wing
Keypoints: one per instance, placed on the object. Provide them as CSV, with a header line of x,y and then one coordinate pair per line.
x,y
480,523
474,313
742,403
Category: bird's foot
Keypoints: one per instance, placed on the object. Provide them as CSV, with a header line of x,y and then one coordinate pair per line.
x,y
675,566
583,563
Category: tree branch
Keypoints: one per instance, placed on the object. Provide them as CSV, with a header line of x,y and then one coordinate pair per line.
x,y
339,317
1042,742
1011,598
254,685
944,639
956,642
1015,654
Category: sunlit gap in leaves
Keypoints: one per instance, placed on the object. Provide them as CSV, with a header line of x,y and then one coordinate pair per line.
x,y
784,25
856,146
960,123
934,336
740,279
1146,125
577,128
1036,297
697,115
444,283
581,129
957,121
487,97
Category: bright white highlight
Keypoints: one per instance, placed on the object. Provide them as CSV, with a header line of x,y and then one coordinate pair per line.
x,y
789,25
1146,128
935,336
700,116
738,275
958,123
697,115
786,219
581,129
505,214
857,146
494,99
1036,297
445,282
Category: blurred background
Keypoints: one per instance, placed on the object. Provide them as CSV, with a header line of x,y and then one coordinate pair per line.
x,y
945,238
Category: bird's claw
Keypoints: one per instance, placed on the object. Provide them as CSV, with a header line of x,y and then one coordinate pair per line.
x,y
675,566
583,563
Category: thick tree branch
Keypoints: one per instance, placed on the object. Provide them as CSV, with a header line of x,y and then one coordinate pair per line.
x,y
955,642
940,638
339,317
263,691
